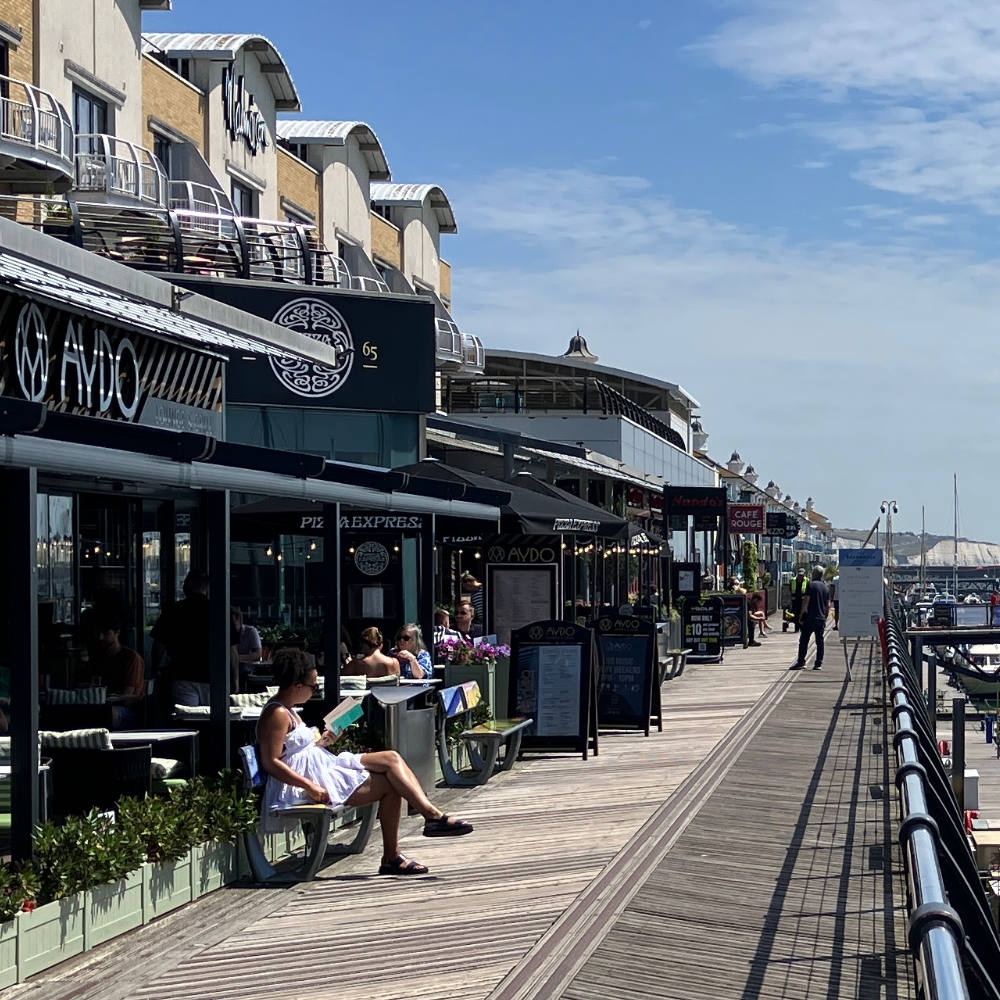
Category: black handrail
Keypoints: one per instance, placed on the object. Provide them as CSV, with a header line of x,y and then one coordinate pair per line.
x,y
951,933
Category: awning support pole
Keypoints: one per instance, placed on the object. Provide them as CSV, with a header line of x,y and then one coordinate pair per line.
x,y
331,605
216,520
22,635
425,581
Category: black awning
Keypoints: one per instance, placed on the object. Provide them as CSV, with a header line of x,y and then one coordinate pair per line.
x,y
534,507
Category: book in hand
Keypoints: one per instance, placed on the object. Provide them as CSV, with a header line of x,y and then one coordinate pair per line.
x,y
346,713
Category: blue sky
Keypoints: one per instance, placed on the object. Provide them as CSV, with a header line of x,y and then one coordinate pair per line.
x,y
787,206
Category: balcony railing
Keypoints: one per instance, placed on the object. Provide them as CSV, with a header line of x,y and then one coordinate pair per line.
x,y
34,120
187,196
119,170
449,342
473,353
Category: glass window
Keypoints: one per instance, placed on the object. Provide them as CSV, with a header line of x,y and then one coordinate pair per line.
x,y
90,113
243,200
162,151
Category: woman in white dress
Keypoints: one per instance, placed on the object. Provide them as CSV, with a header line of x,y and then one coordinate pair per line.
x,y
301,769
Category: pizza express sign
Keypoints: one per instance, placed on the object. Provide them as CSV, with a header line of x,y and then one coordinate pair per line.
x,y
76,365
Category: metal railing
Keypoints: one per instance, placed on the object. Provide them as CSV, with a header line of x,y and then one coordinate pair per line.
x,y
188,196
952,934
115,168
34,118
217,245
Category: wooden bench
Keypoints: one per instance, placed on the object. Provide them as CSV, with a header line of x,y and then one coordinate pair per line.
x,y
490,736
315,819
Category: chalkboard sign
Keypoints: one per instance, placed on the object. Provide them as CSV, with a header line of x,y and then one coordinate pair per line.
x,y
943,614
703,629
552,680
734,619
627,692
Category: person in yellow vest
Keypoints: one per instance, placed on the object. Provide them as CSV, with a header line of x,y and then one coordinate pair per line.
x,y
799,585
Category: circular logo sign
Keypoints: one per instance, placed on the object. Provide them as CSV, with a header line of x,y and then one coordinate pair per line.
x,y
320,321
496,554
605,624
31,353
371,558
536,632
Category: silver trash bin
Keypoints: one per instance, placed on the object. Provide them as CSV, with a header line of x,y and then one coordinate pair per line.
x,y
409,727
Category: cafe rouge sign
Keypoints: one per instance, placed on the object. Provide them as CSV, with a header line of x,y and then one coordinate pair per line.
x,y
746,518
76,365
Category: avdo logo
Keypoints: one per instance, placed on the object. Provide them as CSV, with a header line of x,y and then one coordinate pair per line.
x,y
496,554
604,624
536,632
319,320
372,558
31,353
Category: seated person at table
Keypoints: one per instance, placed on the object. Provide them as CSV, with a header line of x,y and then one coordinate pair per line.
x,y
370,660
301,769
246,649
465,615
122,669
757,613
414,661
442,626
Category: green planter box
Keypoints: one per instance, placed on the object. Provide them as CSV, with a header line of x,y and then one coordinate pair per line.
x,y
49,935
166,886
8,952
112,909
215,865
491,678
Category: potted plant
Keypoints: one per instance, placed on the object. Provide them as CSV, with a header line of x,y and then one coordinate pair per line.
x,y
223,813
18,894
168,828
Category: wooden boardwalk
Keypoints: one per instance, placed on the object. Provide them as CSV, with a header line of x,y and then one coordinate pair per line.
x,y
742,853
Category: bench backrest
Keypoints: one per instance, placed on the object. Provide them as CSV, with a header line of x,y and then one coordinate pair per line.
x,y
253,775
460,698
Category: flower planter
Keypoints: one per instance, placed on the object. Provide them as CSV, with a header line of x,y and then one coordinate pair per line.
x,y
112,909
166,886
49,934
8,952
215,865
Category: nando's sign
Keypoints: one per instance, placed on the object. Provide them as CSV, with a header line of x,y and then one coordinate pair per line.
x,y
679,501
243,118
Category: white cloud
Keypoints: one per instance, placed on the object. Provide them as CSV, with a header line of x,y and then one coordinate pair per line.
x,y
645,24
921,77
803,357
814,165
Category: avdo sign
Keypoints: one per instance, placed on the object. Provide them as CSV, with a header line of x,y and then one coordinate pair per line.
x,y
243,119
746,518
76,365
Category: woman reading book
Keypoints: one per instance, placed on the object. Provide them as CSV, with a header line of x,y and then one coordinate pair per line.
x,y
301,769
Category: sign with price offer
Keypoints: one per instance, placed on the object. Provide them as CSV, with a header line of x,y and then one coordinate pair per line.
x,y
385,347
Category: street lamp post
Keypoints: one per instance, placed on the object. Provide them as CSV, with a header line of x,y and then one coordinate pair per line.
x,y
888,507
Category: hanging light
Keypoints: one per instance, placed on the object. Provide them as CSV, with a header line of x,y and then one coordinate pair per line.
x,y
280,557
312,546
477,556
269,552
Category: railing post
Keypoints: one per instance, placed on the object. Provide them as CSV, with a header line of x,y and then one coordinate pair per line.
x,y
241,236
932,668
958,750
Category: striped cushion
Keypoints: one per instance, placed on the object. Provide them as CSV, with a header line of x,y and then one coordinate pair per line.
x,y
78,696
4,748
164,767
75,739
249,700
202,711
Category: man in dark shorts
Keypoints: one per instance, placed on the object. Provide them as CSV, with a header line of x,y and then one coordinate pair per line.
x,y
815,608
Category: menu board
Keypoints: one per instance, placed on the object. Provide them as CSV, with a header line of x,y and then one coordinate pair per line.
x,y
860,592
703,629
552,681
518,595
625,675
734,618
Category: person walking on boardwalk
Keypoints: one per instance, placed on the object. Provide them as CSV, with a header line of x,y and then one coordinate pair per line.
x,y
815,609
798,588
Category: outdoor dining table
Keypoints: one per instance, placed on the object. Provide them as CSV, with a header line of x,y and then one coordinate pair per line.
x,y
160,737
45,782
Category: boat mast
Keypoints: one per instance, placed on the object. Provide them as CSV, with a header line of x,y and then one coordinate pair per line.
x,y
954,587
923,552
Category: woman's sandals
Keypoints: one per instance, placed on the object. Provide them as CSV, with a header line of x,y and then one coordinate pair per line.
x,y
401,865
445,826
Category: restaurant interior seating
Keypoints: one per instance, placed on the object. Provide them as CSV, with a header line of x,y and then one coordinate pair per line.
x,y
84,779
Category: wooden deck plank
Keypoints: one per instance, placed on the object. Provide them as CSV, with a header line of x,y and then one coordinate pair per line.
x,y
556,836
